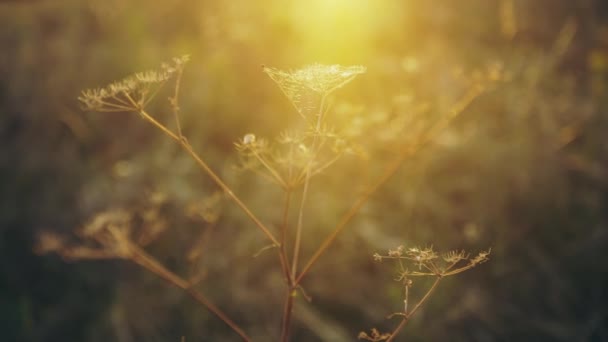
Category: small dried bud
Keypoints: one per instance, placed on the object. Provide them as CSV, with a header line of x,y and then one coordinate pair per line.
x,y
377,257
49,242
363,335
480,258
396,253
248,139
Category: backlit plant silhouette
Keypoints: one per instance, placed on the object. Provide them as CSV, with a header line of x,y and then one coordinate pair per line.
x,y
291,163
426,263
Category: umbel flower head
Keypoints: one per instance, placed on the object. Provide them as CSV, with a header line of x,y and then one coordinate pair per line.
x,y
133,92
315,80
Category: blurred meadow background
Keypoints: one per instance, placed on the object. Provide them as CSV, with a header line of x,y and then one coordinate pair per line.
x,y
523,170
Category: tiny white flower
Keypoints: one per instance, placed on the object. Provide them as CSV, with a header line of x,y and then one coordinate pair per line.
x,y
249,138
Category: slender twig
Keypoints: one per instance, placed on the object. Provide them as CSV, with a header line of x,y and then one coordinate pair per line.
x,y
407,316
275,175
354,209
391,169
282,255
283,237
184,144
264,175
288,303
159,125
321,168
174,102
304,173
291,291
143,259
288,306
287,314
298,239
154,93
282,252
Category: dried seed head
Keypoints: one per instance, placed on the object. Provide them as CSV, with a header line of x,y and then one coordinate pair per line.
x,y
310,83
377,257
248,139
132,92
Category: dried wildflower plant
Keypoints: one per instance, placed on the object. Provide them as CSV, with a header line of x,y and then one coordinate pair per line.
x,y
133,92
292,156
290,161
307,87
373,336
122,234
426,263
111,233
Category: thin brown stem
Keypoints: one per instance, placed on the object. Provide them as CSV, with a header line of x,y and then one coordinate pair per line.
x,y
298,239
184,144
391,169
159,125
143,259
275,175
230,194
291,290
282,253
174,102
288,306
407,316
284,229
287,314
354,209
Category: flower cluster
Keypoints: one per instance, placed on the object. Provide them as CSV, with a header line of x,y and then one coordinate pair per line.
x,y
133,92
373,336
429,263
319,78
110,234
287,160
312,83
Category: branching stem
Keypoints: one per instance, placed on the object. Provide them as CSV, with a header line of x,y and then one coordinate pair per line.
x,y
406,152
298,239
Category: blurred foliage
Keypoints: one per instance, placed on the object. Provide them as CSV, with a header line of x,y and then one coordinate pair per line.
x,y
522,171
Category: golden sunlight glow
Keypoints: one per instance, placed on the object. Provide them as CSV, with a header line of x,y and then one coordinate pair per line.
x,y
340,30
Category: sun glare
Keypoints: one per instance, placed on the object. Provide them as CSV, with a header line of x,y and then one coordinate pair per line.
x,y
340,30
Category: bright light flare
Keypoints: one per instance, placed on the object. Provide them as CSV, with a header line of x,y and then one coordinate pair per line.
x,y
342,31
